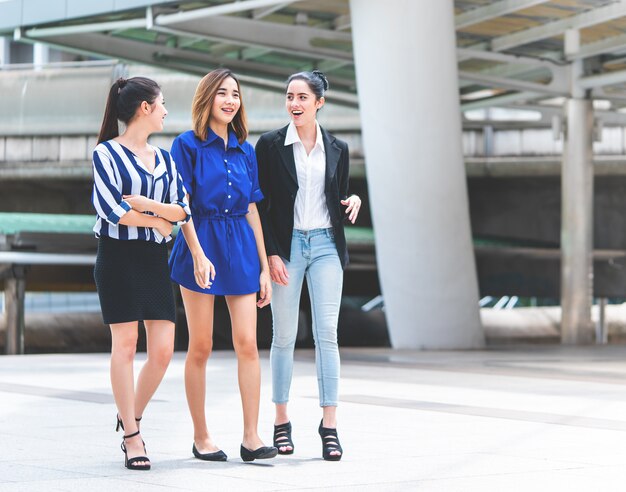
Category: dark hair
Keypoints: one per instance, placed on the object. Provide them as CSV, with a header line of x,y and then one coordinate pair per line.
x,y
203,104
316,80
125,96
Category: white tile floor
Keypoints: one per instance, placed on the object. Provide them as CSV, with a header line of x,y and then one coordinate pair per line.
x,y
524,419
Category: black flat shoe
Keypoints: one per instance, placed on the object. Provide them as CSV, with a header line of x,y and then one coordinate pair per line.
x,y
131,463
215,456
262,453
330,443
282,438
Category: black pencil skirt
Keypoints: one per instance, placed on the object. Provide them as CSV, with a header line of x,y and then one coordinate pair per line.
x,y
133,281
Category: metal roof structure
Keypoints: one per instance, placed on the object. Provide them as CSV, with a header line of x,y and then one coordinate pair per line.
x,y
510,52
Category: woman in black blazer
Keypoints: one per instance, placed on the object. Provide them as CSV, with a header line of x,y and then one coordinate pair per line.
x,y
303,173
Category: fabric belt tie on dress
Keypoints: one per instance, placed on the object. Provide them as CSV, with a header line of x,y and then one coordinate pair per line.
x,y
228,220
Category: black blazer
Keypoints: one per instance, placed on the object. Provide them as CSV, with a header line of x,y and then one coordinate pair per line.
x,y
279,184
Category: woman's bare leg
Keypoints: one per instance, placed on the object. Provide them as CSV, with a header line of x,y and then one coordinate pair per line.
x,y
243,319
199,311
123,349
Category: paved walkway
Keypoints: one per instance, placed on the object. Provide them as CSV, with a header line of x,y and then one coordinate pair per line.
x,y
533,419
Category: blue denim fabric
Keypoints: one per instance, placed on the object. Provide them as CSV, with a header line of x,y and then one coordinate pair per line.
x,y
314,255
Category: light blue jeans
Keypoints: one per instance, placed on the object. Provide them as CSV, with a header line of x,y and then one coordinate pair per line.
x,y
314,255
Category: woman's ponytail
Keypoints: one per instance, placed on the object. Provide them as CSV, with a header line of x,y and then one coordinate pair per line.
x,y
109,128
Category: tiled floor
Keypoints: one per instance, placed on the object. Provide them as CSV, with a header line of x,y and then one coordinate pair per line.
x,y
515,419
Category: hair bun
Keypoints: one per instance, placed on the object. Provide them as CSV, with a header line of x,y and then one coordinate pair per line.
x,y
321,75
121,83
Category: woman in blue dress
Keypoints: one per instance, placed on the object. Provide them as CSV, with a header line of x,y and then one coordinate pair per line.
x,y
221,252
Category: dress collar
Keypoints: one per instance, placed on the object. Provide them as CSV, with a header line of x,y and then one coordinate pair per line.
x,y
232,139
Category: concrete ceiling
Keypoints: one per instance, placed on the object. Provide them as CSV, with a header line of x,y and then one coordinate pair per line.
x,y
511,53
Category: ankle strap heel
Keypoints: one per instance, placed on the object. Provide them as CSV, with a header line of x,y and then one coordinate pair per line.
x,y
120,425
133,463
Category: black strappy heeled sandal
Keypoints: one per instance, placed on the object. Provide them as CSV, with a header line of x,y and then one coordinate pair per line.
x,y
282,438
330,443
130,463
120,425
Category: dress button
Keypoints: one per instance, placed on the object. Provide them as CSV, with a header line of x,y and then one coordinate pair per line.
x,y
228,196
229,171
226,210
229,183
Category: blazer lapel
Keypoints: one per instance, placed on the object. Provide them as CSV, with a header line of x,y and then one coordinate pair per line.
x,y
332,156
286,154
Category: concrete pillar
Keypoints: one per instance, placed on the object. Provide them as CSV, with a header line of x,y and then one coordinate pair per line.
x,y
577,224
41,55
406,70
5,51
14,290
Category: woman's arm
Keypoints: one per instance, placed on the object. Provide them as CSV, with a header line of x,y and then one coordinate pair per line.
x,y
137,219
173,212
352,202
265,292
203,269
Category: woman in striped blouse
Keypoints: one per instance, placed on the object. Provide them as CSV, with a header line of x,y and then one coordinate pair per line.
x,y
138,195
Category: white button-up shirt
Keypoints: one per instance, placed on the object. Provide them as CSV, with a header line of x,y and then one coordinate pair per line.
x,y
310,210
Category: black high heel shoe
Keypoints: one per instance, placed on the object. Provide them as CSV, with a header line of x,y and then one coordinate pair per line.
x,y
120,425
330,443
130,463
262,453
215,456
282,438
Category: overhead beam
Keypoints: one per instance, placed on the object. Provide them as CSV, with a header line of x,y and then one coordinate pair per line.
x,y
592,17
44,32
295,40
151,54
223,9
187,61
496,9
603,80
499,101
607,46
517,85
609,118
468,54
259,13
511,66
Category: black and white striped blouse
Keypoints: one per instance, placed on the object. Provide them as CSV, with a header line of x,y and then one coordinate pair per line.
x,y
117,172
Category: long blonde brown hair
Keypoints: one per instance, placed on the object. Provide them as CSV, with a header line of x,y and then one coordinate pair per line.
x,y
203,102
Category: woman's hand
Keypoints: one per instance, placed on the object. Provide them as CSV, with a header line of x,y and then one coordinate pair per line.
x,y
265,292
203,271
278,271
354,205
139,203
164,227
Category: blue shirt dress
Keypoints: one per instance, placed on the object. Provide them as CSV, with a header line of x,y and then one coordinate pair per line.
x,y
221,184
